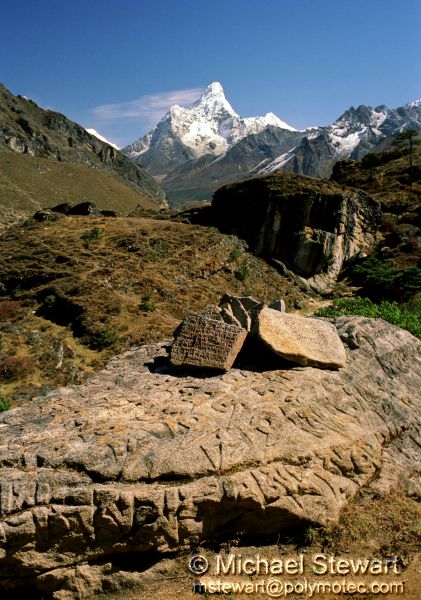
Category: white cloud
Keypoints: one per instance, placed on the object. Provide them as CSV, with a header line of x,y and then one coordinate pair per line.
x,y
146,109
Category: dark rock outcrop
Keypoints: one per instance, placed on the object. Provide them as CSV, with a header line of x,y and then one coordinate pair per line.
x,y
82,208
85,208
313,226
45,215
138,459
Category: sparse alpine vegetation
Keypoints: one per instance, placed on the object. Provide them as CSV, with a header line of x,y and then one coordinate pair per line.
x,y
407,316
93,286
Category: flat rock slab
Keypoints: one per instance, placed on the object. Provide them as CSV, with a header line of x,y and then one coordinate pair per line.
x,y
207,343
137,459
302,340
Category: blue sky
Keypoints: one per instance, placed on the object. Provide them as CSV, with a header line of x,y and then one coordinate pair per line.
x,y
305,60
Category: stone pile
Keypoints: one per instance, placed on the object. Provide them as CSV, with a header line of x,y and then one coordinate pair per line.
x,y
214,337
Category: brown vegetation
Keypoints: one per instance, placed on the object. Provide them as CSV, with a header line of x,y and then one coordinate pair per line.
x,y
131,284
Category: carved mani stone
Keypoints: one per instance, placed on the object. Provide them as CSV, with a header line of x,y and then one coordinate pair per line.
x,y
207,343
302,340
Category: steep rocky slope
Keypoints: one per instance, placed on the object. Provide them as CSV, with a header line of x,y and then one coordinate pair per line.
x,y
26,129
141,458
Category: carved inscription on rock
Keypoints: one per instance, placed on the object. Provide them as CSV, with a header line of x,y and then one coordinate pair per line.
x,y
302,340
207,343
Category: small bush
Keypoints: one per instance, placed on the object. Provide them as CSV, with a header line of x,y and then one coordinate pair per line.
x,y
147,304
91,236
5,403
33,338
379,279
242,272
407,317
236,252
9,309
311,536
155,250
103,339
15,367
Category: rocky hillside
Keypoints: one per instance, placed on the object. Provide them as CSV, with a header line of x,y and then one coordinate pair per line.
x,y
92,286
46,158
387,177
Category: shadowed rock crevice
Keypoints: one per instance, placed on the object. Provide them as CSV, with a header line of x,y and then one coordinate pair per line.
x,y
246,520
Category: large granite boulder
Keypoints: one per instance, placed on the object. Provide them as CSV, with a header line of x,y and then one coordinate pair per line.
x,y
313,226
141,458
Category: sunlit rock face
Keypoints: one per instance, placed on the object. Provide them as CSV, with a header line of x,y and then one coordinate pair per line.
x,y
311,225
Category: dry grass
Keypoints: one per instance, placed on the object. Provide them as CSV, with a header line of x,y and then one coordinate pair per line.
x,y
132,284
28,183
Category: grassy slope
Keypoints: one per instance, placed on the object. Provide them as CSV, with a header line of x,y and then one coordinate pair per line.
x,y
28,183
135,283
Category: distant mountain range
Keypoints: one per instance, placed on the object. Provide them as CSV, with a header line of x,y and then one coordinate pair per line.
x,y
194,150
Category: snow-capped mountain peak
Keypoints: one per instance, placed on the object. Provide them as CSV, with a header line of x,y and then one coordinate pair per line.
x,y
414,104
213,100
208,126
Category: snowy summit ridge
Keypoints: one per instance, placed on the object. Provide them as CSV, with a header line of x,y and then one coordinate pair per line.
x,y
102,138
209,126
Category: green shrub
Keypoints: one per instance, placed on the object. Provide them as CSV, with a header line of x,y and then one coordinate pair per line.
x,y
155,250
407,317
379,279
236,252
103,338
147,304
242,272
5,403
93,235
409,281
